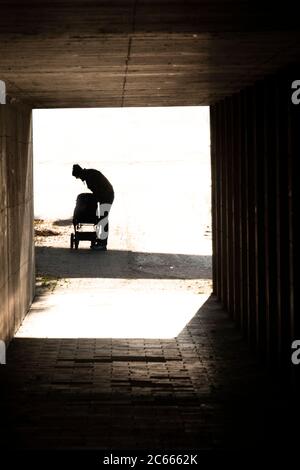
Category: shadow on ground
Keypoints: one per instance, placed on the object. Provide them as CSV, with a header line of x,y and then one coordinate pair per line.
x,y
63,222
66,263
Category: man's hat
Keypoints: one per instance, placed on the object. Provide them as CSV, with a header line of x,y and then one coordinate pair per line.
x,y
76,170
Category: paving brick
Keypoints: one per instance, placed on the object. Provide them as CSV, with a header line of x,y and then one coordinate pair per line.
x,y
141,394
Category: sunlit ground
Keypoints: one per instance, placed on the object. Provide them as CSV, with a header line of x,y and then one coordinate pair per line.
x,y
159,164
118,311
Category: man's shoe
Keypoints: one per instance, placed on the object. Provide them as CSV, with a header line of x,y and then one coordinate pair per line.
x,y
99,247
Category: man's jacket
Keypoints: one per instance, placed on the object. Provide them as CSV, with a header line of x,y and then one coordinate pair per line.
x,y
99,185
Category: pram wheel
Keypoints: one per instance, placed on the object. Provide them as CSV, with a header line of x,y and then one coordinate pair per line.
x,y
72,241
76,243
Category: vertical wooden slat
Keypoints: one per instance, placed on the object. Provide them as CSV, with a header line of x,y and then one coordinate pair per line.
x,y
243,213
283,274
259,221
225,157
223,206
271,232
230,228
218,202
250,213
270,220
236,197
293,204
214,198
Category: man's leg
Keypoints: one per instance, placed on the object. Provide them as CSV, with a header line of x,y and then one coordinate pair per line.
x,y
102,228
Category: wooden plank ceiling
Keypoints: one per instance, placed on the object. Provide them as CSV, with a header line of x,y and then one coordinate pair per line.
x,y
93,53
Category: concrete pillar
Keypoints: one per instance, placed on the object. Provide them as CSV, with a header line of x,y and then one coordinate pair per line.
x,y
16,218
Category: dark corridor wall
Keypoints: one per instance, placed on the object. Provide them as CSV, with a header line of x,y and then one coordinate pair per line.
x,y
16,218
255,139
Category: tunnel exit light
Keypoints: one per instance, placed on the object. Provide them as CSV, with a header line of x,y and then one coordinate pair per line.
x,y
156,312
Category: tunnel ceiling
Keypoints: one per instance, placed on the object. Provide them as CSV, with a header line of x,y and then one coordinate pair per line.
x,y
58,53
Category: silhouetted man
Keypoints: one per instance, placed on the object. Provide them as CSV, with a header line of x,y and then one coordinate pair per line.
x,y
104,193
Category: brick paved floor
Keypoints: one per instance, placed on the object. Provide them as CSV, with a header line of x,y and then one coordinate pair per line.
x,y
199,390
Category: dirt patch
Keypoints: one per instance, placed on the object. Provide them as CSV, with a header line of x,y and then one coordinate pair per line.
x,y
45,233
41,229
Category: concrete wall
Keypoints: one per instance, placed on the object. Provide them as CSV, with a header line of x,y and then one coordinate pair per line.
x,y
255,144
16,218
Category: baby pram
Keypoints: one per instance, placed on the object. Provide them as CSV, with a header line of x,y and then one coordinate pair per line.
x,y
85,219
